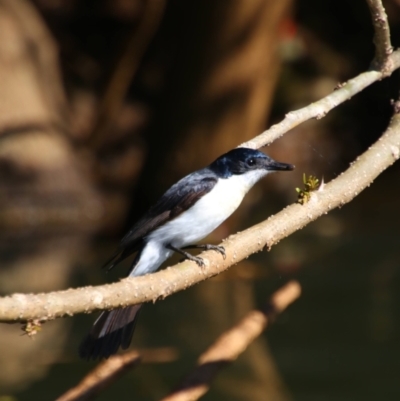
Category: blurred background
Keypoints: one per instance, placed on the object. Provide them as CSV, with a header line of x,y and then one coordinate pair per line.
x,y
104,104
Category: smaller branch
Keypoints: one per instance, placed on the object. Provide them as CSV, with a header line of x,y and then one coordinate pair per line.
x,y
101,377
320,108
231,344
383,46
126,69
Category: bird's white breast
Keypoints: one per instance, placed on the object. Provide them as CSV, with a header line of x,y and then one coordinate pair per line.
x,y
208,212
197,222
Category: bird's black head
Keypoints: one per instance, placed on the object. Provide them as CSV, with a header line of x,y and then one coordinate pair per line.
x,y
242,160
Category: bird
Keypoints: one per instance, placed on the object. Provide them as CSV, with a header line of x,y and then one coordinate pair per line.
x,y
187,212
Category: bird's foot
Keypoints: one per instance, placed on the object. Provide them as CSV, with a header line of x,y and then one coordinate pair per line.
x,y
216,248
188,256
197,259
208,247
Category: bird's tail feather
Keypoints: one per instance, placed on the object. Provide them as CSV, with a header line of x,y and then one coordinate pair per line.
x,y
114,260
120,255
113,329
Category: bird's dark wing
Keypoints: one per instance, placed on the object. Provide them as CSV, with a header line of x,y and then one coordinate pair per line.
x,y
181,196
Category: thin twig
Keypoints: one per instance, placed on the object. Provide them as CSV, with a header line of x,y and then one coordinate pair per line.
x,y
383,46
231,344
126,69
23,307
101,377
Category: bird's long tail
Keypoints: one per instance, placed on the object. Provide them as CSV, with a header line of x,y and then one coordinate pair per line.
x,y
112,329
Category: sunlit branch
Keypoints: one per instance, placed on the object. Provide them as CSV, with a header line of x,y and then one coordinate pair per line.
x,y
323,106
383,46
161,284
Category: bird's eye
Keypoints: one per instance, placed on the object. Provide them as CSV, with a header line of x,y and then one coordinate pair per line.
x,y
251,162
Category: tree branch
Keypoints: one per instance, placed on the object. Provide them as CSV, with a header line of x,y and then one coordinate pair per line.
x,y
161,284
23,307
101,377
231,344
320,108
126,69
383,46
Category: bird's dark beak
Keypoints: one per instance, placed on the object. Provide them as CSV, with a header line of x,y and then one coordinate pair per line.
x,y
273,165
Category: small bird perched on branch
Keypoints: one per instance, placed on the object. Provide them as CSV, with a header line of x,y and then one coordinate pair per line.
x,y
190,210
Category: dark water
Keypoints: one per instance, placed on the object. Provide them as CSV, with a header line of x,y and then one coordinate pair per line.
x,y
339,341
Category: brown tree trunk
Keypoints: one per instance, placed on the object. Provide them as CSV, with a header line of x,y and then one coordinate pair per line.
x,y
219,88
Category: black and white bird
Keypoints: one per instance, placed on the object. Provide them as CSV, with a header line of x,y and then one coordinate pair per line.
x,y
190,210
